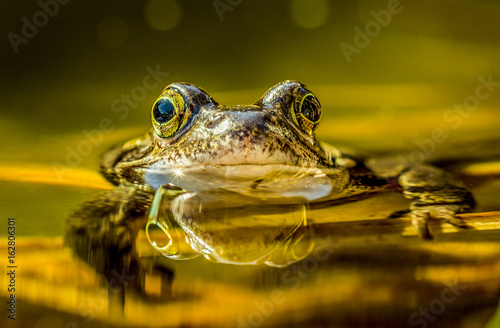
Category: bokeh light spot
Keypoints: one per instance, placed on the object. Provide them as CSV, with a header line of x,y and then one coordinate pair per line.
x,y
162,15
309,13
112,31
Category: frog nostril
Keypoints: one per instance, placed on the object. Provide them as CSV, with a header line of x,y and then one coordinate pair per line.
x,y
219,123
215,120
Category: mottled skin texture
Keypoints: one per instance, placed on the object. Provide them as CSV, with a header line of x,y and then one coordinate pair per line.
x,y
221,135
266,147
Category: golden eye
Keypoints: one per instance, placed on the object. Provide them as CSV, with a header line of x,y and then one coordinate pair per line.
x,y
307,112
169,113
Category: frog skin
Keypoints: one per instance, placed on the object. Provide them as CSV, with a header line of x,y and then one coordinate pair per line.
x,y
269,149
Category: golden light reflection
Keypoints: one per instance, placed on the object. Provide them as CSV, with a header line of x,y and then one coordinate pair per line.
x,y
178,173
45,174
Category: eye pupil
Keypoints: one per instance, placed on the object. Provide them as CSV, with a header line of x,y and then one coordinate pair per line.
x,y
310,108
164,111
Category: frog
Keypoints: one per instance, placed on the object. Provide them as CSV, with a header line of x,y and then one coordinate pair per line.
x,y
269,149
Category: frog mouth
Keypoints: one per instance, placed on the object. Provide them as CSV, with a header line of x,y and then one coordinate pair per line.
x,y
108,161
267,180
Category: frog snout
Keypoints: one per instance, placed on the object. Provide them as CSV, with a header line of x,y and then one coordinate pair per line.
x,y
227,121
219,123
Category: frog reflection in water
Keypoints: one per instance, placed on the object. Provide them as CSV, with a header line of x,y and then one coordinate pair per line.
x,y
268,150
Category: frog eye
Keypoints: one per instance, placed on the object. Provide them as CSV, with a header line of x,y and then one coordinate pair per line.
x,y
297,103
306,112
169,113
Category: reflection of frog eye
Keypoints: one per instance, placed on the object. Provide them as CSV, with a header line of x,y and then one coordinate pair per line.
x,y
307,112
169,113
